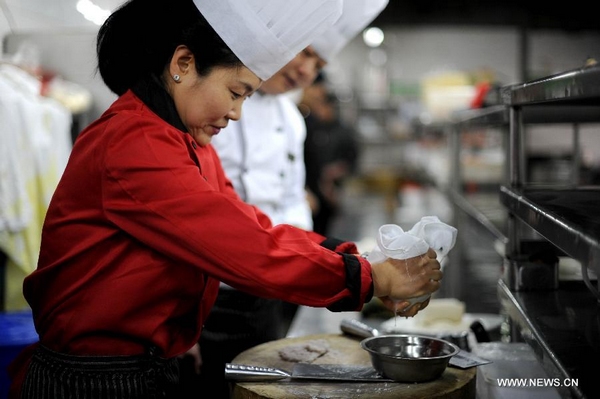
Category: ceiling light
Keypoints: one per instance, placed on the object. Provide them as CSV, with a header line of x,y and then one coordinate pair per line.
x,y
373,37
92,12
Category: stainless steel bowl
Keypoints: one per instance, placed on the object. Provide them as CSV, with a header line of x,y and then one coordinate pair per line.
x,y
409,358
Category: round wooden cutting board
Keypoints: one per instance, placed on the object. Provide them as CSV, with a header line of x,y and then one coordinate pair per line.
x,y
454,383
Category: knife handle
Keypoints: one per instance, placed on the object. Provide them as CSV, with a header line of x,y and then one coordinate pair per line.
x,y
358,328
243,372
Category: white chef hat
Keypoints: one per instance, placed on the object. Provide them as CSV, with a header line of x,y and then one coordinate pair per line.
x,y
266,34
356,15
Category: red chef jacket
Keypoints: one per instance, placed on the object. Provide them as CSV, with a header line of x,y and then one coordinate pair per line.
x,y
141,228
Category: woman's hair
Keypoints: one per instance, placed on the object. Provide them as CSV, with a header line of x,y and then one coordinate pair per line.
x,y
137,42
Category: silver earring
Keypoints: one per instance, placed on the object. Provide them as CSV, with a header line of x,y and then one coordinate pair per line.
x,y
176,78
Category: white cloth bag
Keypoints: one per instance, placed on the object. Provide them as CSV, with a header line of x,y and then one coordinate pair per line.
x,y
430,232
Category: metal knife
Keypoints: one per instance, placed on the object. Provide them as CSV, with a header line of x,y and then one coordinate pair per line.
x,y
336,372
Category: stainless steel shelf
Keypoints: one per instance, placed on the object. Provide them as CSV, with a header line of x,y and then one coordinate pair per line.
x,y
484,209
480,206
498,115
560,324
563,329
575,86
568,218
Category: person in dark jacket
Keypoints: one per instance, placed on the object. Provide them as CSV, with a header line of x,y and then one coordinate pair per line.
x,y
330,152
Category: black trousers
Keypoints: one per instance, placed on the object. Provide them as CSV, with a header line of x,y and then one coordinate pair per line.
x,y
53,375
237,322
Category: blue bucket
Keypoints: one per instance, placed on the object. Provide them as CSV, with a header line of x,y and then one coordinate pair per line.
x,y
16,332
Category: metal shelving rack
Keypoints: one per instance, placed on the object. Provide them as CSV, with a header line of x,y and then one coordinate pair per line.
x,y
464,122
473,208
484,206
498,116
560,323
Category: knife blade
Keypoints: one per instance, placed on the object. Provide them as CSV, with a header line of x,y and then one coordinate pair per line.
x,y
332,372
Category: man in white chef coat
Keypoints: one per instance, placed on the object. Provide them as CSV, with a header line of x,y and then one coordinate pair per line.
x,y
263,152
263,155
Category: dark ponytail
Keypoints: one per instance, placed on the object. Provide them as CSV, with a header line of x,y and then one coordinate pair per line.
x,y
137,41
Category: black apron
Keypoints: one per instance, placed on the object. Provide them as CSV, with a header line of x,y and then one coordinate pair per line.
x,y
53,375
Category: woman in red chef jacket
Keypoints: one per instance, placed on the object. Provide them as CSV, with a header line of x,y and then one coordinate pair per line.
x,y
144,224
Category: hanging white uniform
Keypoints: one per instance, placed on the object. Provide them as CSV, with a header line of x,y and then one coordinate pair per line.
x,y
35,143
263,155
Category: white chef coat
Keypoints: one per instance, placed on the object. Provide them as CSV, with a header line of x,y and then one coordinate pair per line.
x,y
35,143
263,155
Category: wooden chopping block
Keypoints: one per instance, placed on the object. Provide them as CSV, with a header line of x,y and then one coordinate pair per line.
x,y
454,383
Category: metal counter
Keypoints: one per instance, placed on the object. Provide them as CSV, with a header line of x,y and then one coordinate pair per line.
x,y
563,329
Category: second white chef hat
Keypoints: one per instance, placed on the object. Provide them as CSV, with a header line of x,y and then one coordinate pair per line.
x,y
356,16
266,34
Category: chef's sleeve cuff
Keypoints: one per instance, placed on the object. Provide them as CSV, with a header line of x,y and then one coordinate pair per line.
x,y
338,245
355,270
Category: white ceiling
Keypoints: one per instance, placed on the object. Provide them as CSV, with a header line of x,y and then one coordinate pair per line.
x,y
26,15
20,15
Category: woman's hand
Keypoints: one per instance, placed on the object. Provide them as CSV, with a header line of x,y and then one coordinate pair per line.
x,y
403,308
398,280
